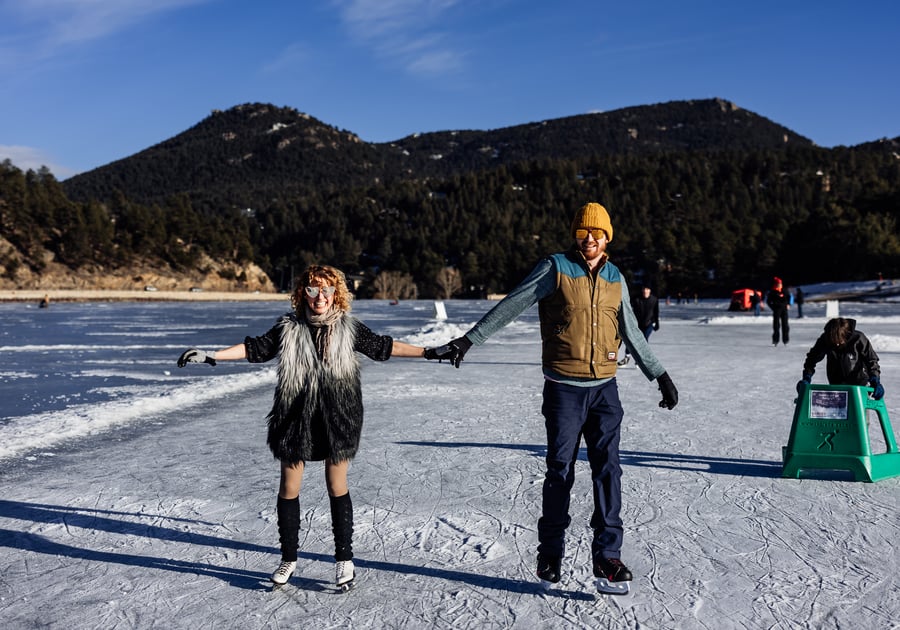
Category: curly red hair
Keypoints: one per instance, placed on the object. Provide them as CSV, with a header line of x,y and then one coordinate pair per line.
x,y
322,276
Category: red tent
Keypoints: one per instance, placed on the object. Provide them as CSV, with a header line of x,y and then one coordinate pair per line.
x,y
740,300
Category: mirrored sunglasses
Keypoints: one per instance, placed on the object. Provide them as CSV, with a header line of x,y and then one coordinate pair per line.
x,y
314,291
597,233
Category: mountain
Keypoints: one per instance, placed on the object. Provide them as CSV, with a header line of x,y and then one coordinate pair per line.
x,y
254,149
705,196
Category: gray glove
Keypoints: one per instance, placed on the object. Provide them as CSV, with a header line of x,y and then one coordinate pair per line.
x,y
196,356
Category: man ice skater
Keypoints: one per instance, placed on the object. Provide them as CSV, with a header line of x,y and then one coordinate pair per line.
x,y
585,311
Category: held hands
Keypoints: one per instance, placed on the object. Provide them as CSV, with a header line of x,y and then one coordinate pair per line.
x,y
452,352
668,391
875,382
196,356
440,353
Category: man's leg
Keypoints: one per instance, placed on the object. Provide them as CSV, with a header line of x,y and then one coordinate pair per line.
x,y
601,434
564,407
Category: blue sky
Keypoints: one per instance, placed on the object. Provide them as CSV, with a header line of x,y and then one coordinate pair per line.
x,y
87,82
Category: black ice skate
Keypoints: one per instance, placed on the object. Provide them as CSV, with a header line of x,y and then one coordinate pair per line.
x,y
613,577
548,570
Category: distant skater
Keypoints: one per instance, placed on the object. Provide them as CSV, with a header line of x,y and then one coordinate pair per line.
x,y
779,302
755,300
646,312
799,298
318,412
45,301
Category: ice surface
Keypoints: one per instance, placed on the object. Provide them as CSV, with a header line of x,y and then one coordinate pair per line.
x,y
156,510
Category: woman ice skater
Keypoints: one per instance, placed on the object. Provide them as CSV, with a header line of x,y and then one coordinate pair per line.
x,y
317,412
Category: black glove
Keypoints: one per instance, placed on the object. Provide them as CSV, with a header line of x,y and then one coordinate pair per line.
x,y
875,382
656,326
462,345
440,353
668,391
803,383
196,356
453,351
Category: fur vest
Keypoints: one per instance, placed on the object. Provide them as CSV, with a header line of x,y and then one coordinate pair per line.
x,y
317,412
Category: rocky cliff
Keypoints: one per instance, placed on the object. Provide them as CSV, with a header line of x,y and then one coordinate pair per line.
x,y
210,275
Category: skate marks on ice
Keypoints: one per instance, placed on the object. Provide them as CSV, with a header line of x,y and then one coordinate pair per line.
x,y
305,580
761,556
447,532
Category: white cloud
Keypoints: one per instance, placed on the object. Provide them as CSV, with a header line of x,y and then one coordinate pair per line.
x,y
376,18
29,158
292,56
48,26
435,63
403,31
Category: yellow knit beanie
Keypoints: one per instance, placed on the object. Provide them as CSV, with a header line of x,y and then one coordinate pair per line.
x,y
592,215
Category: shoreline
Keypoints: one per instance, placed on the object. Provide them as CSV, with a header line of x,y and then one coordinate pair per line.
x,y
99,295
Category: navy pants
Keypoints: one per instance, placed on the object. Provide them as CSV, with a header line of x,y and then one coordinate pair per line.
x,y
569,413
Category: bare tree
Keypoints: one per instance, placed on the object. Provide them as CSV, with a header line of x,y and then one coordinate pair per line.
x,y
395,285
449,282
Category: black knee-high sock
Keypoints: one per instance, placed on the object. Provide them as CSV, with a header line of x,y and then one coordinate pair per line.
x,y
342,526
289,527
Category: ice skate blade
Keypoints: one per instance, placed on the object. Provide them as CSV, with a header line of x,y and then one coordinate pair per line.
x,y
547,585
613,588
346,587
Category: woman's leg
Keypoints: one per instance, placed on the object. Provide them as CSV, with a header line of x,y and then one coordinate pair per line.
x,y
336,477
291,479
289,510
341,519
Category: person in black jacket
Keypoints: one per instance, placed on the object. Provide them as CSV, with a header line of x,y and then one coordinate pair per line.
x,y
850,358
779,301
646,312
798,300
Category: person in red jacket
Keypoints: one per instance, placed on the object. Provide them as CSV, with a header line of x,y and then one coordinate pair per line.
x,y
779,301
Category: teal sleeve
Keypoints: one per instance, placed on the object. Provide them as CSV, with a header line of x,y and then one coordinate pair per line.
x,y
540,283
635,341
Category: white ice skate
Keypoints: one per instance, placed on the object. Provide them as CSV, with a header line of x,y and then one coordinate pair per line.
x,y
284,572
344,575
